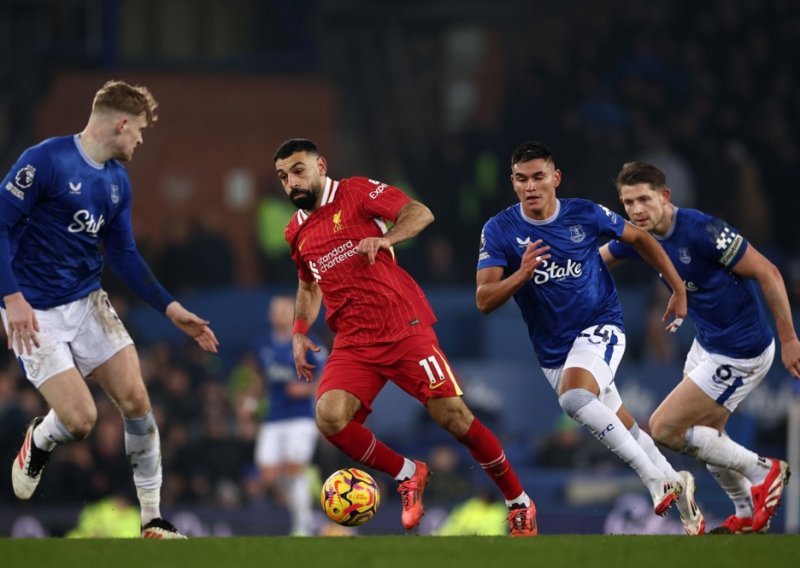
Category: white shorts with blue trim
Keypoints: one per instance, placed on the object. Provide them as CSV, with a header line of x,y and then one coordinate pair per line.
x,y
83,334
599,350
286,441
726,380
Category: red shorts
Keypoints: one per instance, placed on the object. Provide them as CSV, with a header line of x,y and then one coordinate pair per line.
x,y
416,364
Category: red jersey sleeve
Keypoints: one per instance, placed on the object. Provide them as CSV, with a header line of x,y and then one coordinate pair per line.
x,y
379,199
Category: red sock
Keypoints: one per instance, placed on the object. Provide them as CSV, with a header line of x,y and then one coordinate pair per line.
x,y
361,445
487,451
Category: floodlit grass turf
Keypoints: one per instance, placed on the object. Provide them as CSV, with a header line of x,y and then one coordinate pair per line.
x,y
574,551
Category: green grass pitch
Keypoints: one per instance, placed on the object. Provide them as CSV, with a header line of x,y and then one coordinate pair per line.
x,y
573,551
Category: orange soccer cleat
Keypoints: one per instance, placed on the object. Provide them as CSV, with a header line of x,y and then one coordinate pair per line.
x,y
411,491
522,521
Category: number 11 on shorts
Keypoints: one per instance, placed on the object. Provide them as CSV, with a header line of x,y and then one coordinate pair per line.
x,y
430,364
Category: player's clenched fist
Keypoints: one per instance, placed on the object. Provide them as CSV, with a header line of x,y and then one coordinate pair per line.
x,y
534,255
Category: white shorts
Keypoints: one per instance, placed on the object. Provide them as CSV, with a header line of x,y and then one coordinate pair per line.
x,y
599,350
724,379
286,441
83,334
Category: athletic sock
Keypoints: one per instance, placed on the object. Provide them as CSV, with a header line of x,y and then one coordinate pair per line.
x,y
521,501
407,471
712,447
50,432
646,443
604,425
300,505
361,445
737,487
487,451
143,448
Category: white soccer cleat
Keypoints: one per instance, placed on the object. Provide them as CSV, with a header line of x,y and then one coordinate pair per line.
x,y
666,494
691,517
26,471
161,529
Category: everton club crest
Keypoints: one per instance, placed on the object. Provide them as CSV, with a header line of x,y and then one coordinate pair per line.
x,y
684,256
576,233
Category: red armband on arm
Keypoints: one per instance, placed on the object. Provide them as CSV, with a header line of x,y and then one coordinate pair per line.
x,y
300,326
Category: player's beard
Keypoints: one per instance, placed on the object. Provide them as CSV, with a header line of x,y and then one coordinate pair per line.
x,y
303,198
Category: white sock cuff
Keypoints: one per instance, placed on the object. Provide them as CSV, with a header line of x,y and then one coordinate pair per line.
x,y
51,431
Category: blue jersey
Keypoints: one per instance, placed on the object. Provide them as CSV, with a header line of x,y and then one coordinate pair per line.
x,y
727,310
277,363
56,207
572,290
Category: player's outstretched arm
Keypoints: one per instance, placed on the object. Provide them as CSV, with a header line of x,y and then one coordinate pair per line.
x,y
193,326
652,253
755,265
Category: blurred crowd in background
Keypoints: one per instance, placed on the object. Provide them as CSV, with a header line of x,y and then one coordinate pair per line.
x,y
433,100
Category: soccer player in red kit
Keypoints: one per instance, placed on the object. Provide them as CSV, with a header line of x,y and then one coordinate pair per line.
x,y
382,321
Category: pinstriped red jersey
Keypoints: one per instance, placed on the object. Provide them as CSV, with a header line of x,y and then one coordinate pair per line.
x,y
364,303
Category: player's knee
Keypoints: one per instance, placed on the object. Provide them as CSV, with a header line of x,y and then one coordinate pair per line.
x,y
331,418
135,403
80,422
665,435
329,424
451,414
575,399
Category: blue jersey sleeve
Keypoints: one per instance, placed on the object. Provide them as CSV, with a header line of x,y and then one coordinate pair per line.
x,y
21,188
491,250
128,264
27,180
608,223
621,250
722,243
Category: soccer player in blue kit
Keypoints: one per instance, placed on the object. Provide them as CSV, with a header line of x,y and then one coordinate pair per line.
x,y
60,201
288,436
543,251
733,348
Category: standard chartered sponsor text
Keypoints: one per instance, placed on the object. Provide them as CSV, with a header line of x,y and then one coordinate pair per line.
x,y
336,255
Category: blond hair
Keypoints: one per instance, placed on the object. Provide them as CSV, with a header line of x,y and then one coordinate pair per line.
x,y
120,96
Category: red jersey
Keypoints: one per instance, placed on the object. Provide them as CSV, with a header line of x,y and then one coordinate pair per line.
x,y
364,303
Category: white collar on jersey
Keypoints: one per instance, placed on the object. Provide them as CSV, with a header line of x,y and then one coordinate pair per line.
x,y
328,195
671,229
84,155
547,221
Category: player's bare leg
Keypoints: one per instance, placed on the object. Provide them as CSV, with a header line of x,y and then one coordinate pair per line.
x,y
72,416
